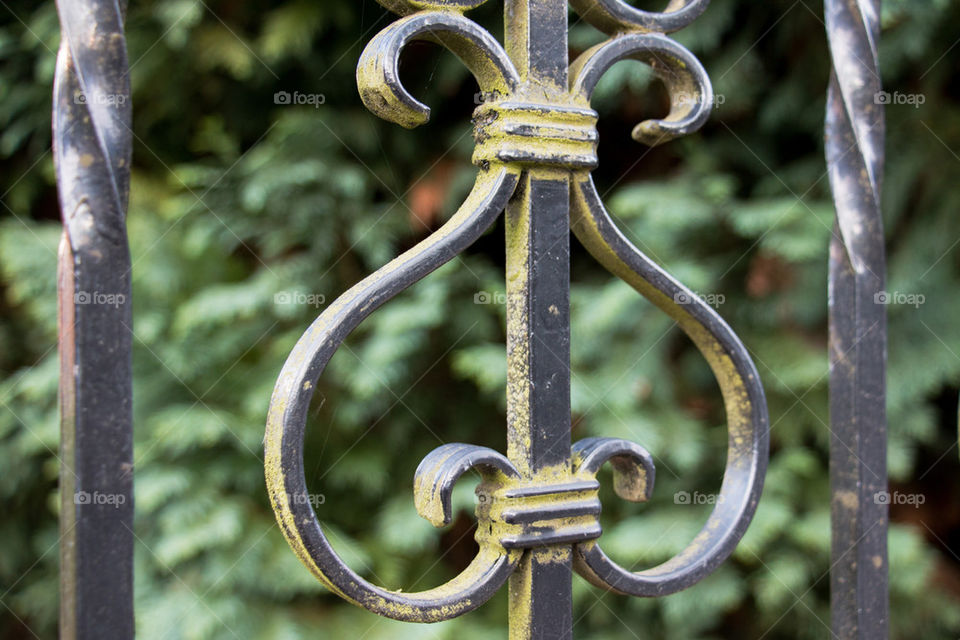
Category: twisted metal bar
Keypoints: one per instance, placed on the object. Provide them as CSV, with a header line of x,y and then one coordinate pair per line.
x,y
92,149
536,144
858,456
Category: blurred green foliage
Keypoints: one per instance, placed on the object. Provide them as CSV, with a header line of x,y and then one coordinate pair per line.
x,y
248,216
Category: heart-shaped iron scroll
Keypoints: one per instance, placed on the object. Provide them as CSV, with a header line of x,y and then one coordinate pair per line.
x,y
528,126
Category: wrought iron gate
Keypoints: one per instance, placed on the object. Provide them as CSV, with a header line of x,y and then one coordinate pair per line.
x,y
536,143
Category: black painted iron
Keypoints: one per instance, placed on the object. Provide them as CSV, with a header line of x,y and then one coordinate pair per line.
x,y
858,325
536,144
91,129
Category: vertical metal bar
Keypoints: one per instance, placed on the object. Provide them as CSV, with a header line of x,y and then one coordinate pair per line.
x,y
538,325
538,402
858,470
92,156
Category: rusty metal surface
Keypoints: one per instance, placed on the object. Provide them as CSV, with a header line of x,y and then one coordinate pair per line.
x,y
858,457
536,144
92,157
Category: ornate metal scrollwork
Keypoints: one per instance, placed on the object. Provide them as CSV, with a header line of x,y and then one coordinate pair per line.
x,y
536,144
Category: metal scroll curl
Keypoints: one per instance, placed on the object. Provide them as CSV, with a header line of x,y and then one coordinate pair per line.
x,y
526,128
614,16
381,90
287,419
748,422
379,80
406,7
687,83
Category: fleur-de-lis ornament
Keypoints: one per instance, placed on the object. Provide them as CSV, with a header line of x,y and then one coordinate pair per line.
x,y
536,143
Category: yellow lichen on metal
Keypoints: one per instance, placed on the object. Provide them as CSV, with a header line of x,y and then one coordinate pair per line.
x,y
520,602
518,343
550,506
405,7
534,131
525,132
378,75
292,381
